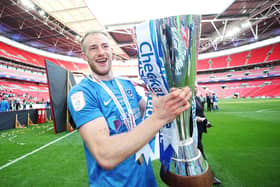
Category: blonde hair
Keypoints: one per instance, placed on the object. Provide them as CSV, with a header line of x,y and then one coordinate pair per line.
x,y
91,33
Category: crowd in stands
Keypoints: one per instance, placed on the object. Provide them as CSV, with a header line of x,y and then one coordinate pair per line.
x,y
248,74
34,60
23,80
22,74
11,101
252,73
245,89
266,54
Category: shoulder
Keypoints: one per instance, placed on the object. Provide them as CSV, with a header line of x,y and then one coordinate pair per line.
x,y
125,81
84,85
86,88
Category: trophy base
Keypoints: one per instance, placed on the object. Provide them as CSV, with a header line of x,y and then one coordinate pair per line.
x,y
203,180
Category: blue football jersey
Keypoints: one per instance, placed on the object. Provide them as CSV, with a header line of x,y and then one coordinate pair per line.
x,y
88,101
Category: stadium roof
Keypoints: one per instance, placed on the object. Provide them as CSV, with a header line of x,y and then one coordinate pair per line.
x,y
56,26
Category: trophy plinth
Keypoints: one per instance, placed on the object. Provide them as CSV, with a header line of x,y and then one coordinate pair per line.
x,y
173,180
187,168
188,161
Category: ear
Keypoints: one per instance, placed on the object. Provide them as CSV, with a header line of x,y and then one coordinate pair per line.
x,y
112,50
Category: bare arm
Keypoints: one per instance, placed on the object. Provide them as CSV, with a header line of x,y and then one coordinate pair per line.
x,y
109,151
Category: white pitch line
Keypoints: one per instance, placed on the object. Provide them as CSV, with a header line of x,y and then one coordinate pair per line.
x,y
263,110
36,150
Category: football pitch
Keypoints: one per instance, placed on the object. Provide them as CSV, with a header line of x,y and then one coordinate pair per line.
x,y
242,148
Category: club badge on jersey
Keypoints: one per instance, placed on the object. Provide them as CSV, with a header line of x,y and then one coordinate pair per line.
x,y
78,101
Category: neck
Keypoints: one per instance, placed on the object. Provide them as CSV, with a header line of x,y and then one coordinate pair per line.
x,y
108,76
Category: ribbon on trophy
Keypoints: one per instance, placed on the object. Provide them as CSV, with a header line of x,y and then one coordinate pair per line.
x,y
160,44
149,149
152,72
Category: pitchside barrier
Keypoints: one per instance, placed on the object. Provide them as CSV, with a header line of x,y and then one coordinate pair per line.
x,y
21,118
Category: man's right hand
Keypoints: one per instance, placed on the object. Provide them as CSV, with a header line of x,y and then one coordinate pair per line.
x,y
167,107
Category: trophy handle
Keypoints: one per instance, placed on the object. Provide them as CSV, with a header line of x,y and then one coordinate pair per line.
x,y
171,179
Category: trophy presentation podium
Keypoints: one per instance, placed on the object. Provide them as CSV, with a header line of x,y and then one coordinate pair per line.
x,y
167,56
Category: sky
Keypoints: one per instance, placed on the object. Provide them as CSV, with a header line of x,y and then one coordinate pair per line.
x,y
109,12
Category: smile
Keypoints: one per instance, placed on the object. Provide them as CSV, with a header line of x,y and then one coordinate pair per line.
x,y
103,60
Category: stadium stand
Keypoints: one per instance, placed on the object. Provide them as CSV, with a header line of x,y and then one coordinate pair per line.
x,y
252,73
275,54
250,88
82,66
13,53
257,72
68,65
23,74
218,62
238,59
18,55
259,55
203,65
30,91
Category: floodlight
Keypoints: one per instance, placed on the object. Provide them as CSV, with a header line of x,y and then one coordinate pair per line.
x,y
232,32
28,4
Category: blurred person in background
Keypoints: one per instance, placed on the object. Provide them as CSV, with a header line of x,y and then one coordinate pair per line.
x,y
209,101
17,104
202,125
4,105
24,103
215,101
31,104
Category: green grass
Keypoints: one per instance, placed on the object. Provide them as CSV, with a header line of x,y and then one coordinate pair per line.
x,y
243,150
243,146
60,164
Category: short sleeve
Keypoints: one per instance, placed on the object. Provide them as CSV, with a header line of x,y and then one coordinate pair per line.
x,y
83,106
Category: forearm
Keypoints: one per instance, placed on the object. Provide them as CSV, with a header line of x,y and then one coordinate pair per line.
x,y
109,151
121,146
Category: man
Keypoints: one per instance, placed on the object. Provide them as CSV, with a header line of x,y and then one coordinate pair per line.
x,y
24,103
215,101
201,121
17,103
4,105
107,111
209,102
202,125
31,104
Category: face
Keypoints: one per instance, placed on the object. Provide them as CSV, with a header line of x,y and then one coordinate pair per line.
x,y
98,54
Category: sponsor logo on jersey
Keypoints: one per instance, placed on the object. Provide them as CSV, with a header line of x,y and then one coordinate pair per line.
x,y
129,93
107,102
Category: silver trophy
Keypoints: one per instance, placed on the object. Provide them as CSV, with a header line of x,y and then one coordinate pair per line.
x,y
179,36
176,41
